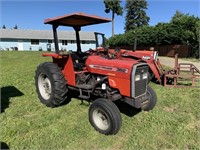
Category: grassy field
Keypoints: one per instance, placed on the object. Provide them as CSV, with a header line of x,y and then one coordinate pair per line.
x,y
27,124
192,59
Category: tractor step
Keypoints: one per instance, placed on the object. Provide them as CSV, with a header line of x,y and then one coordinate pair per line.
x,y
84,94
84,90
85,86
84,97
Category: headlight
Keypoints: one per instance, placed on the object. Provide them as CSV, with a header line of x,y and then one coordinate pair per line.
x,y
137,77
141,76
145,75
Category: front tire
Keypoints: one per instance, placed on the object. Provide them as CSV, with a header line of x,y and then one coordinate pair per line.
x,y
151,101
51,85
151,76
105,117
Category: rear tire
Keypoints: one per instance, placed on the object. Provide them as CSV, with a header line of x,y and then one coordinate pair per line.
x,y
51,85
151,101
105,117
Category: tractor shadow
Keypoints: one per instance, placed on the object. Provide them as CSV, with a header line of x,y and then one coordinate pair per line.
x,y
122,106
6,93
75,95
127,109
3,146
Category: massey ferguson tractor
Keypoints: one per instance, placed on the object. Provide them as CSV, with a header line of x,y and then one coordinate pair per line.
x,y
98,76
156,71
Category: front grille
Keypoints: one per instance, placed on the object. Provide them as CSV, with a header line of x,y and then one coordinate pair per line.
x,y
139,86
141,69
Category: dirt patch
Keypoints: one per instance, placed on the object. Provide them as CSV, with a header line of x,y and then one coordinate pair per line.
x,y
168,61
170,109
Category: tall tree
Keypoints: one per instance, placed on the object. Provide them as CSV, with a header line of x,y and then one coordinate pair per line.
x,y
135,14
186,25
187,29
15,27
4,27
115,7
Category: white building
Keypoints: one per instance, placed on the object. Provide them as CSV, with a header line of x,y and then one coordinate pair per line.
x,y
18,39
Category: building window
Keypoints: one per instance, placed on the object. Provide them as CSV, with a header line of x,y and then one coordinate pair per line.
x,y
64,42
72,41
83,42
88,42
34,42
92,42
50,41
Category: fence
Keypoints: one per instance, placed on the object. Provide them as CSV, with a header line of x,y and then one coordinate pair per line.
x,y
166,50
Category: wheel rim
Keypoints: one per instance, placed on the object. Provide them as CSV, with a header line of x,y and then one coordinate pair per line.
x,y
44,86
101,119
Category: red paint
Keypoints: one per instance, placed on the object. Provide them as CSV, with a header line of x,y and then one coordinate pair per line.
x,y
50,55
66,65
69,73
117,80
54,55
122,84
140,56
98,60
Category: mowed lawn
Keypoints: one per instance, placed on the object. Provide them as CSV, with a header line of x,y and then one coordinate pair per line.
x,y
25,123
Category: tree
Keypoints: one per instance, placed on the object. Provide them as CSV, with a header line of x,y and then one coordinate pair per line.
x,y
4,27
186,26
115,8
182,29
15,27
136,15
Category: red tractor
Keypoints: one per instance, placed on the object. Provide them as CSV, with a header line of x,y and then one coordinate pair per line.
x,y
150,57
156,71
97,76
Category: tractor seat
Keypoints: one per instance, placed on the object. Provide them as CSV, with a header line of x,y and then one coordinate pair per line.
x,y
78,62
78,66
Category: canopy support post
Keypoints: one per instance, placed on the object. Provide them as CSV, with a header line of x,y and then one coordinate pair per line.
x,y
55,26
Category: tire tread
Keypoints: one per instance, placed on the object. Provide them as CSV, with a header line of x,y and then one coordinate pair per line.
x,y
59,84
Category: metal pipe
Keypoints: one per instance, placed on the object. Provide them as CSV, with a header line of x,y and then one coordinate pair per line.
x,y
54,26
96,39
176,62
77,29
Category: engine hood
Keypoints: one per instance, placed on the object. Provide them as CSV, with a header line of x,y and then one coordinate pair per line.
x,y
112,67
141,54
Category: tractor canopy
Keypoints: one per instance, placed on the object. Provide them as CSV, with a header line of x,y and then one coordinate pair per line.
x,y
75,20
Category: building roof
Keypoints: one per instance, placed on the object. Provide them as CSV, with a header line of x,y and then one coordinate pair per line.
x,y
43,34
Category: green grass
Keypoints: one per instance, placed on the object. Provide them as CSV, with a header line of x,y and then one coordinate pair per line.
x,y
25,123
192,59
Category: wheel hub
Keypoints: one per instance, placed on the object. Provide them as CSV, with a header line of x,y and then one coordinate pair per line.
x,y
44,85
101,119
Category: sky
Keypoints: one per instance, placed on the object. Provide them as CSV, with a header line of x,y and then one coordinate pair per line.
x,y
29,14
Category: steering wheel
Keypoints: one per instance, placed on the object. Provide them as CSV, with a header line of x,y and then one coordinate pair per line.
x,y
117,49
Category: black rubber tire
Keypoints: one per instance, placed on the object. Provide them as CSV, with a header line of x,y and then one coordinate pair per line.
x,y
111,112
57,82
150,76
152,99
